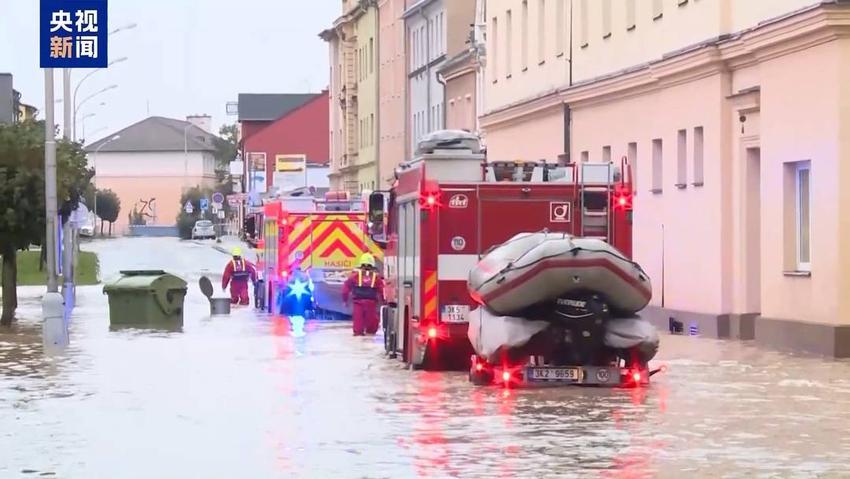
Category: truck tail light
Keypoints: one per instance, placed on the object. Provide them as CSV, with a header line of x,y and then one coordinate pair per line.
x,y
432,332
430,200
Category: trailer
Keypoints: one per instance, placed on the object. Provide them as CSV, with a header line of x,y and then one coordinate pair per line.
x,y
310,246
448,207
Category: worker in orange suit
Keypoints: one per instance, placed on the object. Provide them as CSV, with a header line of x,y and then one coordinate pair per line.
x,y
237,273
366,287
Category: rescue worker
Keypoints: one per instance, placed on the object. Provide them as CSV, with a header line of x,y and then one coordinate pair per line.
x,y
367,288
237,273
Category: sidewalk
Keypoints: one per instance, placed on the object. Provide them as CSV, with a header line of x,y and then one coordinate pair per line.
x,y
229,242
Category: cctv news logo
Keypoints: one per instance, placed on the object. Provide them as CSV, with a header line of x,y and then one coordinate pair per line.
x,y
73,34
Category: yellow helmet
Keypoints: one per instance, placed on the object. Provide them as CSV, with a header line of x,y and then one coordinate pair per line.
x,y
237,251
366,260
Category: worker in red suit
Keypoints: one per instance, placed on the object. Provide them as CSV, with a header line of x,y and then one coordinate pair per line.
x,y
366,287
237,273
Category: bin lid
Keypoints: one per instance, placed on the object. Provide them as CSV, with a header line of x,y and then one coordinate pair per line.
x,y
150,280
206,286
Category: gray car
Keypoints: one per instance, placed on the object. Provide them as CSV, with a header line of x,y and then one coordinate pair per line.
x,y
203,229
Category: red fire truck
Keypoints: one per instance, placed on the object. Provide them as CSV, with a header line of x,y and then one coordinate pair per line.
x,y
309,247
448,207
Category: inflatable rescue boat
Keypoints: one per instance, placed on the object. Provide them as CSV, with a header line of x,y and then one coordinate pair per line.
x,y
533,268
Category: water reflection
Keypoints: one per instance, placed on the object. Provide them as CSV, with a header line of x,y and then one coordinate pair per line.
x,y
250,395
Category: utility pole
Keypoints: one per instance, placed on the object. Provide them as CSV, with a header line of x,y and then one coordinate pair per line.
x,y
68,249
50,181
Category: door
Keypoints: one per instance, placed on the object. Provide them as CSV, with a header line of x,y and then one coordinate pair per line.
x,y
752,230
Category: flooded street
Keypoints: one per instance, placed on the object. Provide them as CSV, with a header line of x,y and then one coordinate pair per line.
x,y
247,396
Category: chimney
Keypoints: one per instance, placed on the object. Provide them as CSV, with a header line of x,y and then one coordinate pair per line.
x,y
203,122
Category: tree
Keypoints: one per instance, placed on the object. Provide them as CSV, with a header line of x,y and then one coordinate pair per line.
x,y
108,208
22,221
226,146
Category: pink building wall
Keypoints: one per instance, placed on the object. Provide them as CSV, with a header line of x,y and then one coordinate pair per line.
x,y
391,88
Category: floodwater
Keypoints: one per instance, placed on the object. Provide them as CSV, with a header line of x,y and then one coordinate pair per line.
x,y
248,396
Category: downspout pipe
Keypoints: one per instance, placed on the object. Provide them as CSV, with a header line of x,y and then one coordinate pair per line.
x,y
377,60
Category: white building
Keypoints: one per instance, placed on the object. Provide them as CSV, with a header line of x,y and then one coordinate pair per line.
x,y
425,22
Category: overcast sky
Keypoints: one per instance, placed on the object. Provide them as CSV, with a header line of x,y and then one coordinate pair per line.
x,y
185,56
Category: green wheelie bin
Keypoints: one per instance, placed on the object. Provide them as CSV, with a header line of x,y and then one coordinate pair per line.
x,y
150,298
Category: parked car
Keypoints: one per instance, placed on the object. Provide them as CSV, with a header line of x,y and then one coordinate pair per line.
x,y
203,229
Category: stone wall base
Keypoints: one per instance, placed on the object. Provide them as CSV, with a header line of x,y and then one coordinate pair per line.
x,y
780,334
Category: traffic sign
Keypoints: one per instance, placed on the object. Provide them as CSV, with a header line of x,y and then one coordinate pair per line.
x,y
188,208
205,204
217,199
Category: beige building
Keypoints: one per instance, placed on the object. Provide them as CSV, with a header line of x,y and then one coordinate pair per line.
x,y
734,117
353,48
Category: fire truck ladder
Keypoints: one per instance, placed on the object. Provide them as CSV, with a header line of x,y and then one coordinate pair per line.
x,y
596,184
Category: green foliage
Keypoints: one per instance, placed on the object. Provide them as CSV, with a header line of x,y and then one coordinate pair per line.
x,y
22,203
226,146
108,207
29,273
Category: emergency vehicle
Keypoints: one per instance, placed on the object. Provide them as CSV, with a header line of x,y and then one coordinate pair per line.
x,y
309,247
448,207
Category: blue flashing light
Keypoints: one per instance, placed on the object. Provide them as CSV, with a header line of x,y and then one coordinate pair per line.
x,y
298,289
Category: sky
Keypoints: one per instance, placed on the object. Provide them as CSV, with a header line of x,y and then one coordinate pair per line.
x,y
184,57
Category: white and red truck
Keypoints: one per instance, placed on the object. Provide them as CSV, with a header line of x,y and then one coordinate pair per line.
x,y
448,207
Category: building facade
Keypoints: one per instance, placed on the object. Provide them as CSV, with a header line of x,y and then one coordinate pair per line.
x,y
353,47
150,165
392,88
427,48
736,149
292,144
459,72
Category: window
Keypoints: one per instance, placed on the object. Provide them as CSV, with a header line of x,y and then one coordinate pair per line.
x,y
585,156
657,165
495,45
541,31
508,42
443,30
633,160
699,151
606,19
630,15
606,154
657,9
413,50
431,47
682,159
524,57
803,216
583,24
371,55
560,26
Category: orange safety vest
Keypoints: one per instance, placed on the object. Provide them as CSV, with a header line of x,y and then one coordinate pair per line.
x,y
369,291
240,271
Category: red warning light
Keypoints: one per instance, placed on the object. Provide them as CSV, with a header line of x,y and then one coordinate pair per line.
x,y
506,376
432,333
479,367
636,376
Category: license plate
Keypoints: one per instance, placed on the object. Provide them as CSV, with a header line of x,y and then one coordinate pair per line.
x,y
554,374
455,313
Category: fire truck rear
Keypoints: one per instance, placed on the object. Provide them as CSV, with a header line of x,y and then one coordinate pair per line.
x,y
448,207
310,247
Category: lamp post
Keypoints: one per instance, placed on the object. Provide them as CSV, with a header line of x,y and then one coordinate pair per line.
x,y
94,179
83,102
186,155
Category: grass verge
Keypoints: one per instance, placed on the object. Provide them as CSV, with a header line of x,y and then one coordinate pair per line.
x,y
29,275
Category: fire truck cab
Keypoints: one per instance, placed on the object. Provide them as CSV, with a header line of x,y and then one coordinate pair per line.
x,y
310,246
448,207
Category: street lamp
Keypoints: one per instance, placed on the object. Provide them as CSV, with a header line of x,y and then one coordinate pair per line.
x,y
129,26
94,178
86,77
77,107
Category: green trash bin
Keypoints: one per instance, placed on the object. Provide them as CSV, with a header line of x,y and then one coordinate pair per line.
x,y
146,298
